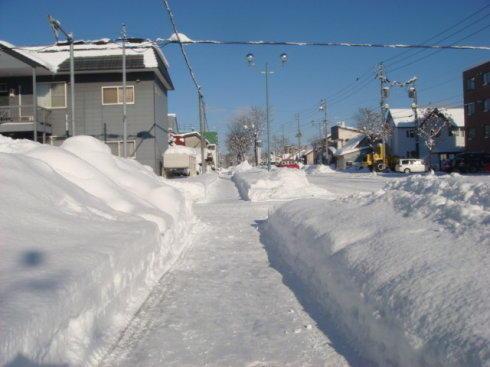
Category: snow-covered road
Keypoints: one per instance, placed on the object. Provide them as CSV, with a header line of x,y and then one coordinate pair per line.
x,y
223,303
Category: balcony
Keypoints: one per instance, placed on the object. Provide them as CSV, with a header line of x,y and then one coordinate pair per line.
x,y
17,119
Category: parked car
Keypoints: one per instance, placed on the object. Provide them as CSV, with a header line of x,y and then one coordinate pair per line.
x,y
408,165
288,163
471,163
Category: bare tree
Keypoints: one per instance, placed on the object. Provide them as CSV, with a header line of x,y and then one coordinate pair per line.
x,y
244,131
430,127
373,126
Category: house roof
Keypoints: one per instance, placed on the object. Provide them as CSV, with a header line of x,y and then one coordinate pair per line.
x,y
353,145
405,117
98,55
350,128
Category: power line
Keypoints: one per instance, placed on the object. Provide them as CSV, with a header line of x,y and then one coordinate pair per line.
x,y
418,52
440,33
437,51
323,44
184,54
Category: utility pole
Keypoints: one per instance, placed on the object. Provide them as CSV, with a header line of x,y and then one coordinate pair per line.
x,y
267,116
412,93
201,130
383,90
56,26
323,107
283,140
125,122
298,134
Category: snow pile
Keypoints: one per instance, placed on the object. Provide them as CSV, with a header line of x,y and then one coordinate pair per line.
x,y
318,169
243,167
181,149
260,185
195,187
449,200
402,288
84,237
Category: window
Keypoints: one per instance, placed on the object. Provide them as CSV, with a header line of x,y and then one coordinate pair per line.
x,y
470,108
51,95
114,95
117,147
486,78
470,84
487,132
471,133
486,105
410,133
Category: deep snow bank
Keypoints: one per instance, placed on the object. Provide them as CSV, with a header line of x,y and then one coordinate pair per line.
x,y
257,184
195,187
84,236
318,169
401,286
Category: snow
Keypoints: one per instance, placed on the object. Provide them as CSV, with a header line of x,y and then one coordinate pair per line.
x,y
85,236
180,37
243,167
257,184
318,169
195,187
223,304
404,117
402,271
181,149
53,56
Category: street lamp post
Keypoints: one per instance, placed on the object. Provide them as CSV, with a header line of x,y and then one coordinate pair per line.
x,y
56,26
250,59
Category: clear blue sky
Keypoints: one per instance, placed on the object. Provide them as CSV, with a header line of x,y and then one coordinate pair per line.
x,y
311,73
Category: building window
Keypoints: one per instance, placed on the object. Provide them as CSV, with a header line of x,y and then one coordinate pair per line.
x,y
51,95
410,133
487,131
470,84
117,147
486,105
486,78
471,133
470,108
114,95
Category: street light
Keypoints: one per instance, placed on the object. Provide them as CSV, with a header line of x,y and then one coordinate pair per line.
x,y
250,58
56,26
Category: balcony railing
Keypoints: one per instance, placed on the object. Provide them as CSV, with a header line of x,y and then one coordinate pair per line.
x,y
24,114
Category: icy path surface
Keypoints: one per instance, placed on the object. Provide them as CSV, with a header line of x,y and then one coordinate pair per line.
x,y
223,304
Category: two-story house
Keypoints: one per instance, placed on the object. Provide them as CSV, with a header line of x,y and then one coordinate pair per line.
x,y
45,71
403,139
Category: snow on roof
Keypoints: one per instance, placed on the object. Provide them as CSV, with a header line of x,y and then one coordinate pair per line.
x,y
348,127
351,146
404,117
180,149
53,56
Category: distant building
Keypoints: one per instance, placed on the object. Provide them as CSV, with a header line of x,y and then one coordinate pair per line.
x,y
476,86
352,152
402,142
173,124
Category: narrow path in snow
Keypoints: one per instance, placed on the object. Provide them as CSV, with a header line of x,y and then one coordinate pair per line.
x,y
223,304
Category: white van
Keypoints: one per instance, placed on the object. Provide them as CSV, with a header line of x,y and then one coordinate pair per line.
x,y
408,165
